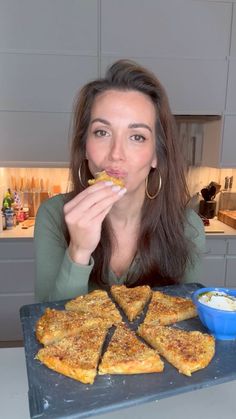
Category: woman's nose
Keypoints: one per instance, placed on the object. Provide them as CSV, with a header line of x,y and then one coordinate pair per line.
x,y
117,151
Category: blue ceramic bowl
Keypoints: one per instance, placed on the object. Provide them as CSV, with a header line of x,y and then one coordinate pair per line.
x,y
220,323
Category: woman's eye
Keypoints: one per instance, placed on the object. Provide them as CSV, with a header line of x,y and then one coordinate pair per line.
x,y
101,133
138,138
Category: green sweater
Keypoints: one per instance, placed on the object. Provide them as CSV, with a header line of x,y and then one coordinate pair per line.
x,y
58,277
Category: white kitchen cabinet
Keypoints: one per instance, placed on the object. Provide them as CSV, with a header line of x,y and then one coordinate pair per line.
x,y
55,26
43,82
231,265
17,274
193,86
233,36
214,262
48,50
165,37
231,272
40,138
214,271
179,28
219,262
231,90
228,156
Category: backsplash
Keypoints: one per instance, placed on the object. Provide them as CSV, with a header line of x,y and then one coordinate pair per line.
x,y
56,180
52,180
200,177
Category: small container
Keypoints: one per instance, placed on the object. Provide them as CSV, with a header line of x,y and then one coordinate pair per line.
x,y
9,215
227,180
3,221
20,216
26,213
220,323
207,209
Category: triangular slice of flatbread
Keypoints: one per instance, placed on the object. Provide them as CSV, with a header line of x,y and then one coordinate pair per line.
x,y
167,309
76,356
186,351
131,300
54,324
126,354
96,303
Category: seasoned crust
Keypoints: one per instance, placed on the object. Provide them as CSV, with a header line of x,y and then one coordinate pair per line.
x,y
131,300
96,303
126,354
54,324
167,309
103,176
186,351
76,356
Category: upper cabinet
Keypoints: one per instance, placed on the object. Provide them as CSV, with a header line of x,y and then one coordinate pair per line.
x,y
228,156
228,149
48,50
55,26
193,86
233,37
231,90
184,42
161,28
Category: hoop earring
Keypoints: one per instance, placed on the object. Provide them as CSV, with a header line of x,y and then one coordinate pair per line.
x,y
80,176
159,187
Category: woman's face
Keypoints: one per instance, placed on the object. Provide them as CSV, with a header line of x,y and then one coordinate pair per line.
x,y
121,137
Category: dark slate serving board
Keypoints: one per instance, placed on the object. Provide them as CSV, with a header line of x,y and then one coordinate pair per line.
x,y
52,395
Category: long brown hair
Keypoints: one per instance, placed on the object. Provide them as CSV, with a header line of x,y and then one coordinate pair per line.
x,y
162,248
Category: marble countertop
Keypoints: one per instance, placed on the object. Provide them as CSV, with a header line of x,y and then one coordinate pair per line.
x,y
215,402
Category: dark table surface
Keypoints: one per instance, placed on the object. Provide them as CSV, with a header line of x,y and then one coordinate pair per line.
x,y
52,395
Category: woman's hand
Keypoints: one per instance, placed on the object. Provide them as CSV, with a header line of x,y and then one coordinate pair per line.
x,y
84,215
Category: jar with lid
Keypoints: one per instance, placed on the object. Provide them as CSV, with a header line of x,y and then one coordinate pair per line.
x,y
9,215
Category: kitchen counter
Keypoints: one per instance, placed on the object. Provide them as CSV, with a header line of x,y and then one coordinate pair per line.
x,y
215,402
215,229
218,229
18,233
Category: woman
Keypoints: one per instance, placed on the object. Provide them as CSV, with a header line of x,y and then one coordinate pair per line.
x,y
104,234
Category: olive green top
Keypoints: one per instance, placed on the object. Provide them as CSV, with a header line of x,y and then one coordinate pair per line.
x,y
58,277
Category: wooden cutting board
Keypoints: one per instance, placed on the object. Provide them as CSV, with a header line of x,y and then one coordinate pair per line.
x,y
28,223
228,217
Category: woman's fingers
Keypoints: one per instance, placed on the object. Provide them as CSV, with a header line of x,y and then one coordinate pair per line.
x,y
88,191
91,207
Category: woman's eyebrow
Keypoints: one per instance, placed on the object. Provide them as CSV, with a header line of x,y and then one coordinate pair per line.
x,y
140,125
103,121
133,125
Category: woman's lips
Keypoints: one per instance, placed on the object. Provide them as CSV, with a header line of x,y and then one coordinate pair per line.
x,y
116,173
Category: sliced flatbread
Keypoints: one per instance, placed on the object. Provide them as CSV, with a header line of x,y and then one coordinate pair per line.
x,y
167,309
54,324
98,304
103,176
131,300
126,354
186,351
76,356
